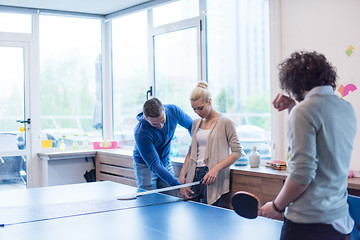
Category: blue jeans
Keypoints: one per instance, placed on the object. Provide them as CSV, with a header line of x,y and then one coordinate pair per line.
x,y
199,190
148,180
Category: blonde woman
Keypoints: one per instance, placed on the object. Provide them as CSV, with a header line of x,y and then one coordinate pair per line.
x,y
214,148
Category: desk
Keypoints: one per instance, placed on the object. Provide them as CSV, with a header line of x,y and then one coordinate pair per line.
x,y
66,167
66,155
266,182
174,220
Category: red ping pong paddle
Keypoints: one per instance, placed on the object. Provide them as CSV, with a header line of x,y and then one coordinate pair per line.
x,y
245,204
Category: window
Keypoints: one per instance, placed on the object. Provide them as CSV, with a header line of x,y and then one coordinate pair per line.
x,y
238,67
130,73
237,59
175,59
70,71
18,23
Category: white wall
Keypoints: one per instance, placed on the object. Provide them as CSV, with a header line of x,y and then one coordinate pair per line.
x,y
328,27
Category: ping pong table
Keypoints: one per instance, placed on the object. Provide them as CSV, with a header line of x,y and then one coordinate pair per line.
x,y
91,211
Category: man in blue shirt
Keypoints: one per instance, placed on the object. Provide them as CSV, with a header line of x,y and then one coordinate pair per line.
x,y
153,135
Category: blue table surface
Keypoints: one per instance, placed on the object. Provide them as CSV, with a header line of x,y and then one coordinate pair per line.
x,y
173,220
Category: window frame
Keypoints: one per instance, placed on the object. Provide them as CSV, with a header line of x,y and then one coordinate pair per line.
x,y
194,22
278,136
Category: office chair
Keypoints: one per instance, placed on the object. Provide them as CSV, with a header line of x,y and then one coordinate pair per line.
x,y
354,210
11,167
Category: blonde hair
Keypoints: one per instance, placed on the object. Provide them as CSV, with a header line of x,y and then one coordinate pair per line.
x,y
200,91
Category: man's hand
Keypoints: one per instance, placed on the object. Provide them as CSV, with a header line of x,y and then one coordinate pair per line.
x,y
282,102
268,211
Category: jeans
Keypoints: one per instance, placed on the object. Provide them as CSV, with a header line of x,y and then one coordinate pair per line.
x,y
148,180
313,231
200,189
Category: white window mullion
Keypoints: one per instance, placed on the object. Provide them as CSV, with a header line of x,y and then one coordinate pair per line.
x,y
203,41
107,94
151,77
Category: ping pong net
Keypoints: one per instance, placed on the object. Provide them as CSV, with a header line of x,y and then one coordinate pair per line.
x,y
18,214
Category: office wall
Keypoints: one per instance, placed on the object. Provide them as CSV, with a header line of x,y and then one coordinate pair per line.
x,y
329,27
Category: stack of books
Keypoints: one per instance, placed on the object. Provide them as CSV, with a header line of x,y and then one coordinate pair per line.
x,y
278,165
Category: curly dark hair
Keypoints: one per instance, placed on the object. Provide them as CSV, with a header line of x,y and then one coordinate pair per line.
x,y
153,108
304,71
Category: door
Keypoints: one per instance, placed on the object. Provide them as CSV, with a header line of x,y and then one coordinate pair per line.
x,y
14,112
177,62
177,67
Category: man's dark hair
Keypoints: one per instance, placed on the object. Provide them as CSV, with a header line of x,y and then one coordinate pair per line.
x,y
305,70
153,108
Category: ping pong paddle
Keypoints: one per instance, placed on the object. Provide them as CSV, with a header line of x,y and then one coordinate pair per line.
x,y
245,204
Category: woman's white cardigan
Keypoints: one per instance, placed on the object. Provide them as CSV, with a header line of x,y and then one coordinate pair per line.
x,y
221,142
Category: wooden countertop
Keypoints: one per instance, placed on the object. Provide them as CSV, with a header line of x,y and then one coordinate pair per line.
x,y
262,171
354,183
127,152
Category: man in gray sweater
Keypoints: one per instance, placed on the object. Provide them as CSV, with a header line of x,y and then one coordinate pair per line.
x,y
321,130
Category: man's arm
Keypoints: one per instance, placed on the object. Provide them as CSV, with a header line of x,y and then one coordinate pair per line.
x,y
184,119
302,164
152,159
288,194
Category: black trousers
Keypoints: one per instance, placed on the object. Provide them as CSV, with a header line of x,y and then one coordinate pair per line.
x,y
313,231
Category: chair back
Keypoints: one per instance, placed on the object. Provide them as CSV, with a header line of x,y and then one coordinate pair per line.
x,y
354,210
8,142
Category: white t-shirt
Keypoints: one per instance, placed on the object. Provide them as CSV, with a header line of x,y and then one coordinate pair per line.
x,y
201,137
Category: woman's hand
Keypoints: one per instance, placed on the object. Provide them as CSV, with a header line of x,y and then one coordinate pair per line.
x,y
181,179
186,192
211,176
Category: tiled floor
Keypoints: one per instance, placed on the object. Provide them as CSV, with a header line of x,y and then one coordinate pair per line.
x,y
7,185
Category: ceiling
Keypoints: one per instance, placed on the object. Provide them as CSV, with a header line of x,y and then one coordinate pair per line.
x,y
98,7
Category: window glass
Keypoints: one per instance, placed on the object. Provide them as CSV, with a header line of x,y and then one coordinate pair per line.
x,y
130,73
238,67
12,88
19,23
176,11
12,102
176,56
70,71
176,67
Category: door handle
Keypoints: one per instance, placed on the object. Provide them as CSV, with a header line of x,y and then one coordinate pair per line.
x,y
149,92
28,121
